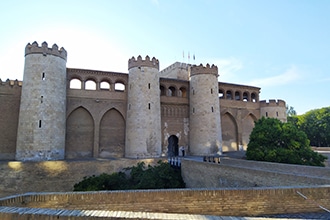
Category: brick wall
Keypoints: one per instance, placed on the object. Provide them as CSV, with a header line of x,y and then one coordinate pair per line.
x,y
233,202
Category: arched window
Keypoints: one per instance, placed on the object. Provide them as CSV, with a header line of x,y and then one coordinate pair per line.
x,y
90,85
183,92
220,94
162,90
254,97
75,84
171,91
245,97
104,85
229,95
237,96
120,87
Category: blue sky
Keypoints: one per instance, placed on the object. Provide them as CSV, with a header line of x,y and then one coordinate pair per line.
x,y
282,46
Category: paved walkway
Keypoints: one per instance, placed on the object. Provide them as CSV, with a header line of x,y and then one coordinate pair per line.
x,y
92,214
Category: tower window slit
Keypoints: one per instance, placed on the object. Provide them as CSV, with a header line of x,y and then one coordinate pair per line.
x,y
266,114
212,109
39,123
149,105
43,76
149,85
42,99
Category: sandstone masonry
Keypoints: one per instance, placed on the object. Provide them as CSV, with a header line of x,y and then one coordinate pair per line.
x,y
66,113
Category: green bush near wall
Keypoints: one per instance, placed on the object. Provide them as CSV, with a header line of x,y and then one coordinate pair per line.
x,y
161,176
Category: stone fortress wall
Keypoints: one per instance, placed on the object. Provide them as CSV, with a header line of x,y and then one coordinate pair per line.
x,y
10,96
204,120
143,124
41,126
97,110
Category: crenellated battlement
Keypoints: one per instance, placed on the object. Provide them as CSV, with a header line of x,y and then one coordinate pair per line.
x,y
195,70
11,83
34,49
272,103
139,62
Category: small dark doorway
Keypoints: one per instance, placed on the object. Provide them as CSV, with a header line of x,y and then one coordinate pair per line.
x,y
173,147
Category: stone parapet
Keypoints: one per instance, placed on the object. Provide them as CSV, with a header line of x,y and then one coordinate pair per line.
x,y
139,62
272,102
11,83
34,48
195,70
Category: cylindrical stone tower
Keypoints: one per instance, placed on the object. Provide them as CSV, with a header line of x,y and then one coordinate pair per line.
x,y
205,125
41,127
143,124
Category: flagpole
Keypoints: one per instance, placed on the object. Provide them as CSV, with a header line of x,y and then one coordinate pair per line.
x,y
188,57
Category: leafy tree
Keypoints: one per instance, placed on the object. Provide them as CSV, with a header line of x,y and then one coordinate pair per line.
x,y
161,176
316,125
274,141
290,111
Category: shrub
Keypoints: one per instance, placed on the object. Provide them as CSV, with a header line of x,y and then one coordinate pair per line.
x,y
161,176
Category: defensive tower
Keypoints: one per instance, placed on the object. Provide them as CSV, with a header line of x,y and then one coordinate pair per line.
x,y
205,125
41,127
273,109
143,123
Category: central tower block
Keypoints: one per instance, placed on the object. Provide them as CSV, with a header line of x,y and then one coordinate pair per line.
x,y
205,125
41,125
143,122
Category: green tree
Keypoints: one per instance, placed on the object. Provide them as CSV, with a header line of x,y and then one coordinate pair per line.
x,y
316,125
290,111
161,176
274,141
291,115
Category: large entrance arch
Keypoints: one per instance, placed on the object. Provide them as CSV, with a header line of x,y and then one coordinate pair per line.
x,y
229,133
79,134
173,147
112,134
248,125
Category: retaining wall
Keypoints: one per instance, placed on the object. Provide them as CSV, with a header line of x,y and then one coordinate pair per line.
x,y
220,202
18,177
243,173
